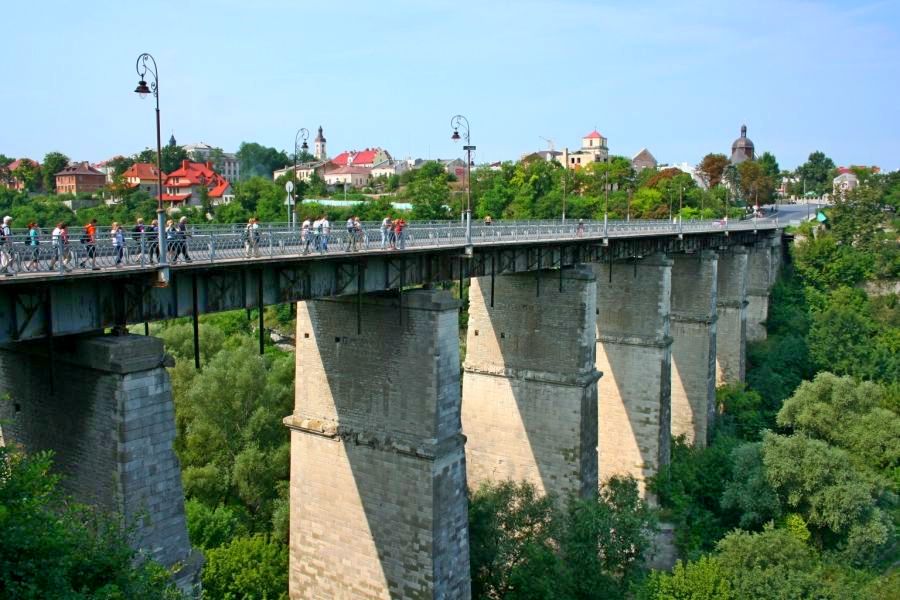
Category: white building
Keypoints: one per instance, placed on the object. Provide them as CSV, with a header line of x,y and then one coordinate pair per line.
x,y
387,168
355,177
594,148
230,167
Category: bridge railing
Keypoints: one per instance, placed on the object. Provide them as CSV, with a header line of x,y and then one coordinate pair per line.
x,y
19,254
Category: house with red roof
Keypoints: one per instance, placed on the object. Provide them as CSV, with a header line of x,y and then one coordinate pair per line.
x,y
594,148
143,176
182,186
13,183
367,158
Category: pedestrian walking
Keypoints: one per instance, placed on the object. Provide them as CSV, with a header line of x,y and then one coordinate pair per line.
x,y
117,234
59,240
34,242
171,240
357,231
325,227
350,246
137,235
304,234
399,226
385,232
488,221
579,230
182,235
6,247
251,238
89,239
152,233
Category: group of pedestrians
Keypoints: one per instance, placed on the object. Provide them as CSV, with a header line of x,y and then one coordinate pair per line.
x,y
142,244
392,233
315,232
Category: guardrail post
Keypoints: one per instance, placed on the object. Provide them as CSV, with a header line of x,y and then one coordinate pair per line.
x,y
212,248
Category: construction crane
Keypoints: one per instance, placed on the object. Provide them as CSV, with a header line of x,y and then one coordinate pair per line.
x,y
550,143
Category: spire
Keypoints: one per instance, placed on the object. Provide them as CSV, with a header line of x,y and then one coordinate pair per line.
x,y
320,137
172,140
743,131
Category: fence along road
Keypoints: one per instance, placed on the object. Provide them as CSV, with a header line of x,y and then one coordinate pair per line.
x,y
19,258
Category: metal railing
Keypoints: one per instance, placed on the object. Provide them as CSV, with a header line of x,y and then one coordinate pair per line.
x,y
20,255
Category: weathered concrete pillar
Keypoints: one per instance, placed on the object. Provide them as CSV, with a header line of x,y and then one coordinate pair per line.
x,y
760,274
634,355
731,329
108,417
693,329
529,408
378,468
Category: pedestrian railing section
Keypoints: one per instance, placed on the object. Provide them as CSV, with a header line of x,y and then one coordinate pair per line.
x,y
22,254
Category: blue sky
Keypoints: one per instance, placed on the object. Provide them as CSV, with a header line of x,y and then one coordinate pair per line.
x,y
676,77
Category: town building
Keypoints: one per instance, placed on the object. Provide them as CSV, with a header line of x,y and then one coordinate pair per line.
x,y
643,160
845,181
367,158
349,175
80,178
182,187
227,163
305,170
546,155
594,148
144,177
742,149
388,167
13,183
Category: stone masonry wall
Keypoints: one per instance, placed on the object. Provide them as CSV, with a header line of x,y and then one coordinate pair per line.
x,y
109,419
731,331
378,478
759,282
634,355
693,329
530,382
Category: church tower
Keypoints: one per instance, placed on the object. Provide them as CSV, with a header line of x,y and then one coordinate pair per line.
x,y
321,154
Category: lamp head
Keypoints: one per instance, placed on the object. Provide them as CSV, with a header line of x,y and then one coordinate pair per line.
x,y
304,146
142,89
455,137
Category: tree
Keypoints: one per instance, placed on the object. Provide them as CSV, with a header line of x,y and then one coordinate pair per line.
x,y
770,167
29,174
816,172
54,162
712,169
217,158
247,567
260,161
756,186
172,157
51,547
703,579
429,192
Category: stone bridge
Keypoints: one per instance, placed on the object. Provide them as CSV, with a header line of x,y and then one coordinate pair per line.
x,y
588,348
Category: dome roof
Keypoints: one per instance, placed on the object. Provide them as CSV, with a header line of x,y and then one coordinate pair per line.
x,y
742,148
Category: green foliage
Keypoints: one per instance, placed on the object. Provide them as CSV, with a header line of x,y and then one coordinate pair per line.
x,y
429,192
247,567
54,162
523,545
703,579
749,493
260,161
52,548
212,527
816,172
741,412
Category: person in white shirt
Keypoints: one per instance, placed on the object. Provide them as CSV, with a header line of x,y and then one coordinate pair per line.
x,y
304,235
385,231
326,230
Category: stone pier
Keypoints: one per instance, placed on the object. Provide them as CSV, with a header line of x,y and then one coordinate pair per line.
x,y
634,355
529,407
762,271
693,329
104,407
731,329
378,468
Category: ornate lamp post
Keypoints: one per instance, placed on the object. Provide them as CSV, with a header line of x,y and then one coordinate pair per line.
x,y
145,65
456,122
302,133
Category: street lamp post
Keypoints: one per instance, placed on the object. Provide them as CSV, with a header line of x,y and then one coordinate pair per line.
x,y
606,205
303,133
146,64
456,122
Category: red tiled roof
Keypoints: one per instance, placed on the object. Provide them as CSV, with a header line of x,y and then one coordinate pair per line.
x,y
81,168
15,164
362,157
176,197
194,173
593,135
142,171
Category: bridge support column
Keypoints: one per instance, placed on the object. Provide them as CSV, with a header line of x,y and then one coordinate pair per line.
x,y
693,328
761,274
378,468
109,419
634,355
529,407
731,306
